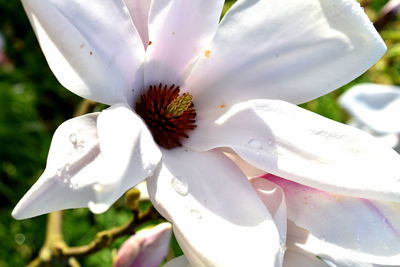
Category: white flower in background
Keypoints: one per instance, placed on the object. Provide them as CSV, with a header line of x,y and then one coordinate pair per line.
x,y
147,248
201,86
375,108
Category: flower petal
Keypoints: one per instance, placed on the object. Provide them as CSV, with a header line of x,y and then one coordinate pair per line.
x,y
139,10
147,248
91,46
274,199
207,199
129,151
74,162
356,229
289,50
179,30
92,161
377,106
302,146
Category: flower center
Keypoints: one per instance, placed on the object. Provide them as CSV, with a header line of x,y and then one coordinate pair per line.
x,y
167,114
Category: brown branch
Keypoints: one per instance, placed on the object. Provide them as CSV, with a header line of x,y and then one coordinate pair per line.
x,y
106,238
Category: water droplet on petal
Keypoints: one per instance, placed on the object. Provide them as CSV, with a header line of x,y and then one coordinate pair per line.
x,y
196,214
59,172
67,167
98,188
358,238
73,138
270,142
180,185
256,144
283,248
80,146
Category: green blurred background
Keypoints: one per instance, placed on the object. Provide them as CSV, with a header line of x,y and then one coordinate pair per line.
x,y
33,104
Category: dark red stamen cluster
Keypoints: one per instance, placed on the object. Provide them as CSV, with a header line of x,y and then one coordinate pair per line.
x,y
167,130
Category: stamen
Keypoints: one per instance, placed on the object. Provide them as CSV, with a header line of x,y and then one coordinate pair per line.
x,y
167,114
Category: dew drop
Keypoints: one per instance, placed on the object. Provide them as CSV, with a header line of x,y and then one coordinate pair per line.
x,y
270,142
180,185
98,188
19,238
283,248
80,146
196,214
59,172
150,171
73,138
67,167
254,143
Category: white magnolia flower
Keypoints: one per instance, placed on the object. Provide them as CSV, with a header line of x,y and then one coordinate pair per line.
x,y
239,79
375,108
146,248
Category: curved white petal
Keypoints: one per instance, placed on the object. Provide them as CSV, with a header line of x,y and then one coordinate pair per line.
x,y
129,150
139,10
218,218
283,49
93,160
180,261
302,146
294,258
73,165
339,226
91,46
376,105
179,31
274,199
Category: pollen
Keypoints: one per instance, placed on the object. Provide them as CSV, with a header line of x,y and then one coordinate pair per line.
x,y
207,53
168,115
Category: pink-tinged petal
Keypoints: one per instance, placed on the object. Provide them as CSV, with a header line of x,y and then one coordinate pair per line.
x,y
356,229
179,30
274,199
147,248
244,166
180,261
299,145
91,46
139,10
289,50
217,216
294,258
375,105
129,152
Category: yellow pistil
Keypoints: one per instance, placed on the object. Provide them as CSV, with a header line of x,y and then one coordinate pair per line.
x,y
179,105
